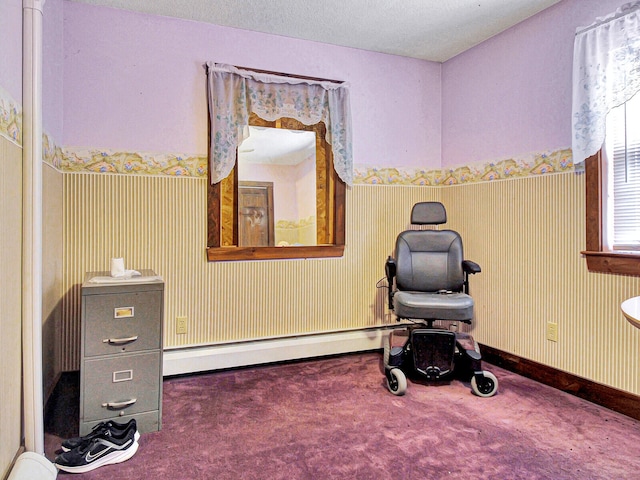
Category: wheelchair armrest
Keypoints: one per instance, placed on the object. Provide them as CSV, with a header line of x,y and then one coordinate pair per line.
x,y
470,267
390,271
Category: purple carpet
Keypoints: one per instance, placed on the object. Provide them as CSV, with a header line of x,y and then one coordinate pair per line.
x,y
334,418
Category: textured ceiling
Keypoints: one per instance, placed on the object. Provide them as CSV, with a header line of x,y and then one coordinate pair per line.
x,y
427,29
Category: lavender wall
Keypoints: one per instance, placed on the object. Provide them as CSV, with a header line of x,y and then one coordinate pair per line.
x,y
11,48
52,59
511,95
136,82
52,69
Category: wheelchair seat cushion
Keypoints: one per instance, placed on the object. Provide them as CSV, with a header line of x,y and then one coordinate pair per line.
x,y
429,260
438,306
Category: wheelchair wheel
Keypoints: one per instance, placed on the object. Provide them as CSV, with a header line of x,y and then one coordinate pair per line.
x,y
397,381
487,387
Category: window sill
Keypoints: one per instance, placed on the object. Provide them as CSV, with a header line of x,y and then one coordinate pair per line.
x,y
613,262
223,254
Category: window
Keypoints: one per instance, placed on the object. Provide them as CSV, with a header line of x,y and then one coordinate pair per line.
x,y
622,178
613,195
606,76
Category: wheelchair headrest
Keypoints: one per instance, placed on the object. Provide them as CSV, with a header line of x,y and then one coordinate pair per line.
x,y
428,213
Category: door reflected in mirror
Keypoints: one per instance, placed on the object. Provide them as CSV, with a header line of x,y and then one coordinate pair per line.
x,y
277,188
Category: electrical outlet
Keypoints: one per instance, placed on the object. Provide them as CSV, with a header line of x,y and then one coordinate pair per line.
x,y
552,331
181,325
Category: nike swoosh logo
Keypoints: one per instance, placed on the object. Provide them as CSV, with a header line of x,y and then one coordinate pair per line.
x,y
90,458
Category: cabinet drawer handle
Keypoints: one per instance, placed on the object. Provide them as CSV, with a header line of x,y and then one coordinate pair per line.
x,y
120,341
119,405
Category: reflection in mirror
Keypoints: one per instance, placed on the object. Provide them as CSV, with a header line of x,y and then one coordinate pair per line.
x,y
277,188
252,228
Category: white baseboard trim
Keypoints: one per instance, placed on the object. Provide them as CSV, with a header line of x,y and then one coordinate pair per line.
x,y
217,357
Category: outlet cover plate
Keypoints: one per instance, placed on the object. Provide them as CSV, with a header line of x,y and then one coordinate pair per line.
x,y
181,325
552,331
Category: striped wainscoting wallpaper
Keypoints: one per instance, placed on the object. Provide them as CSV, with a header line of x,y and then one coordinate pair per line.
x,y
160,223
10,301
526,233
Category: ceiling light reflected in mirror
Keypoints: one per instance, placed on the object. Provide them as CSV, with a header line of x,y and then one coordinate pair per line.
x,y
276,146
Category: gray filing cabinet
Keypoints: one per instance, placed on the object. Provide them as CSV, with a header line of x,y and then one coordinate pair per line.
x,y
121,352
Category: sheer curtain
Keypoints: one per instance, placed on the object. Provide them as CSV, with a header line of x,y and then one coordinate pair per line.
x,y
234,93
606,73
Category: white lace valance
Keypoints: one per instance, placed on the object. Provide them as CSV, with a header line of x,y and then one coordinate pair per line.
x,y
234,93
606,73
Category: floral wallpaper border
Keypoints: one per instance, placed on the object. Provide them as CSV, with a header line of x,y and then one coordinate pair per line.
x,y
10,117
532,165
89,160
294,224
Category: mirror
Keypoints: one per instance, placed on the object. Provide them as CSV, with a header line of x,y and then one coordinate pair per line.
x,y
265,208
276,188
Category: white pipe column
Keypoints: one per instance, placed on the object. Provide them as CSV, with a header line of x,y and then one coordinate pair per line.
x,y
32,225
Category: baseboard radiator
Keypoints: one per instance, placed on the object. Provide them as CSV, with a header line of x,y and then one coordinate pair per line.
x,y
217,357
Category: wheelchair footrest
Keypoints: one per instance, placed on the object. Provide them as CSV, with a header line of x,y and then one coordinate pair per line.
x,y
433,352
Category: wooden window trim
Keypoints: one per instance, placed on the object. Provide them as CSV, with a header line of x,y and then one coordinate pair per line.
x,y
598,259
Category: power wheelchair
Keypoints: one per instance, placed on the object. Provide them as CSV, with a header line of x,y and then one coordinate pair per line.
x,y
428,282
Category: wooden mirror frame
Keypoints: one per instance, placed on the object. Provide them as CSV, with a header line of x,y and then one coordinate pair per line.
x,y
222,203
